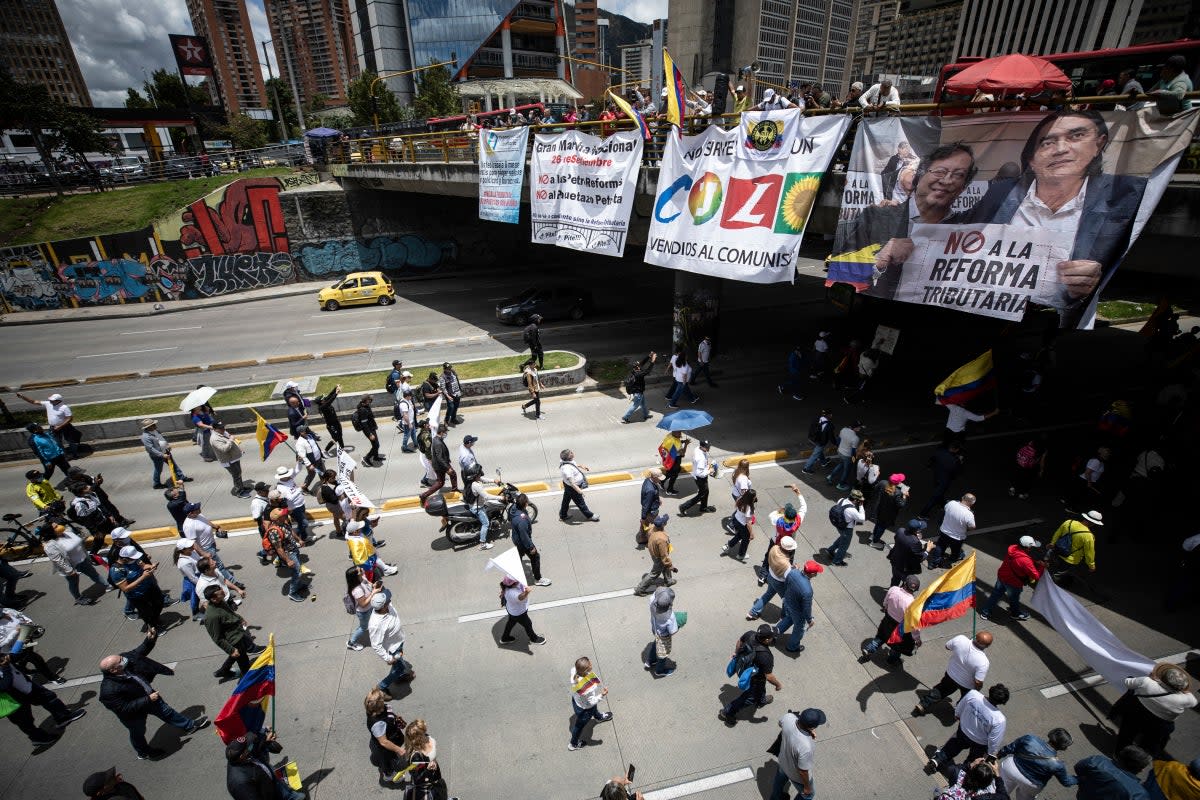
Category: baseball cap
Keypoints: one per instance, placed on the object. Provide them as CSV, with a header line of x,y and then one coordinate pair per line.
x,y
190,507
740,88
789,512
897,477
405,374
812,717
813,568
262,487
1029,541
54,398
789,544
129,551
704,445
120,533
470,439
238,747
356,525
661,520
184,544
379,601
93,783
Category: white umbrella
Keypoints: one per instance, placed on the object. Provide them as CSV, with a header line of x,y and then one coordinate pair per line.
x,y
197,397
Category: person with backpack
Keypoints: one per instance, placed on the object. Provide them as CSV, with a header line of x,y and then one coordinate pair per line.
x,y
387,734
357,601
391,385
635,387
1030,464
533,340
1074,544
364,422
1017,570
958,520
887,498
752,650
407,421
820,434
844,515
533,384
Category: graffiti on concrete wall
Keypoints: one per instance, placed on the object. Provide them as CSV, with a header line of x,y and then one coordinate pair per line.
x,y
216,275
409,253
297,179
240,217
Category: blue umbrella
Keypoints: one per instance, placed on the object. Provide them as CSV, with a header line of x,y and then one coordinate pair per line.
x,y
322,133
687,420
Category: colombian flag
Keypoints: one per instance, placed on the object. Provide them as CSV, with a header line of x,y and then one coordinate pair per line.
x,y
949,596
856,269
585,683
362,553
676,91
268,436
632,113
668,451
967,382
246,708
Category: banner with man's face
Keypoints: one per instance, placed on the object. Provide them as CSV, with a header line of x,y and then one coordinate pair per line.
x,y
1003,210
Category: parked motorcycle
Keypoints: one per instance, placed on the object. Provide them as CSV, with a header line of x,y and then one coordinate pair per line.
x,y
464,525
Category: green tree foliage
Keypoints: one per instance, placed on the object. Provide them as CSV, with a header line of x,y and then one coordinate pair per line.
x,y
286,100
244,133
167,90
364,106
60,133
436,95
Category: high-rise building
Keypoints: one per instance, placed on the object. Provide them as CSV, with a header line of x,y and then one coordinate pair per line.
x,y
805,40
489,38
996,27
226,25
871,19
587,14
636,63
320,41
34,47
1166,20
916,43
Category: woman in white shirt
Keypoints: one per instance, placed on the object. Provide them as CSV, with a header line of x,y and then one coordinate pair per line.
x,y
741,479
740,522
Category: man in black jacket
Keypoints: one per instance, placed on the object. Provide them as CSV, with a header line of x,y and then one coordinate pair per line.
x,y
909,551
17,685
635,387
439,456
126,691
249,775
533,339
364,422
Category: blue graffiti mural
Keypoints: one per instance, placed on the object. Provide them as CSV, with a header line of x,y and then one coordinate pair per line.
x,y
98,282
409,252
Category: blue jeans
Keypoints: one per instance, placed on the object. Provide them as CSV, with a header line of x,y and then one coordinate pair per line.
x,y
817,455
792,617
1014,598
222,570
86,567
582,715
297,581
481,515
188,592
639,401
159,708
159,463
301,522
408,436
398,671
779,787
680,388
842,471
363,618
452,408
837,550
774,587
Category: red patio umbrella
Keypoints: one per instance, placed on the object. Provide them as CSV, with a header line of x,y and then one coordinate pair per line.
x,y
1011,73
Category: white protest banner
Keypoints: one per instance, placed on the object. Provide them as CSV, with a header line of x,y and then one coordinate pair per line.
x,y
581,189
345,466
720,211
501,173
763,134
1096,176
994,270
509,563
354,495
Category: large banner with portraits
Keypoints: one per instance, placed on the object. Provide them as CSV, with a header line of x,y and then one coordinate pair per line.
x,y
581,189
997,213
734,203
501,173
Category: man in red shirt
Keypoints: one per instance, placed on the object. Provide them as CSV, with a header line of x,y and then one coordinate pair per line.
x,y
1018,570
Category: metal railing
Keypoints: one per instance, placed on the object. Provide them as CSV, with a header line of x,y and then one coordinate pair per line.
x,y
461,147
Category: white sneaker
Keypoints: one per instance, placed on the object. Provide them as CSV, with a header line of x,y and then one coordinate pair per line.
x,y
391,570
486,546
542,582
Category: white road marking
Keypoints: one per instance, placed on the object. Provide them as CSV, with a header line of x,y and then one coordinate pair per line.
x,y
350,330
701,785
129,352
91,679
161,330
568,601
1059,689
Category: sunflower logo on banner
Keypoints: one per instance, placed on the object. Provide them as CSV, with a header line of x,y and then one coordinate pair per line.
x,y
799,194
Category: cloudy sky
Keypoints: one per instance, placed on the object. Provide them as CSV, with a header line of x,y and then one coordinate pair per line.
x,y
115,40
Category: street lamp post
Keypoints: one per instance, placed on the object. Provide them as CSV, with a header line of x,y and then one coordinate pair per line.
x,y
383,75
283,129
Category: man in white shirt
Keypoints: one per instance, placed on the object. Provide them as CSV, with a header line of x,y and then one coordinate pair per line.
x,y
58,422
703,362
980,732
773,101
702,470
198,528
957,522
574,482
186,559
966,670
387,640
842,472
880,97
466,453
957,418
285,482
848,511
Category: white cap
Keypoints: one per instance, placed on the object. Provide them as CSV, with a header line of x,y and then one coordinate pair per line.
x,y
129,551
664,91
373,517
740,88
788,543
354,526
768,94
120,533
291,385
406,374
1029,541
184,544
54,398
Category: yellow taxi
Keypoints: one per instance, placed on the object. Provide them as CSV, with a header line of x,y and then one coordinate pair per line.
x,y
356,289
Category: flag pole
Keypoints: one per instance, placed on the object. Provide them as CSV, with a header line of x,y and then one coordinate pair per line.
x,y
271,644
285,441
